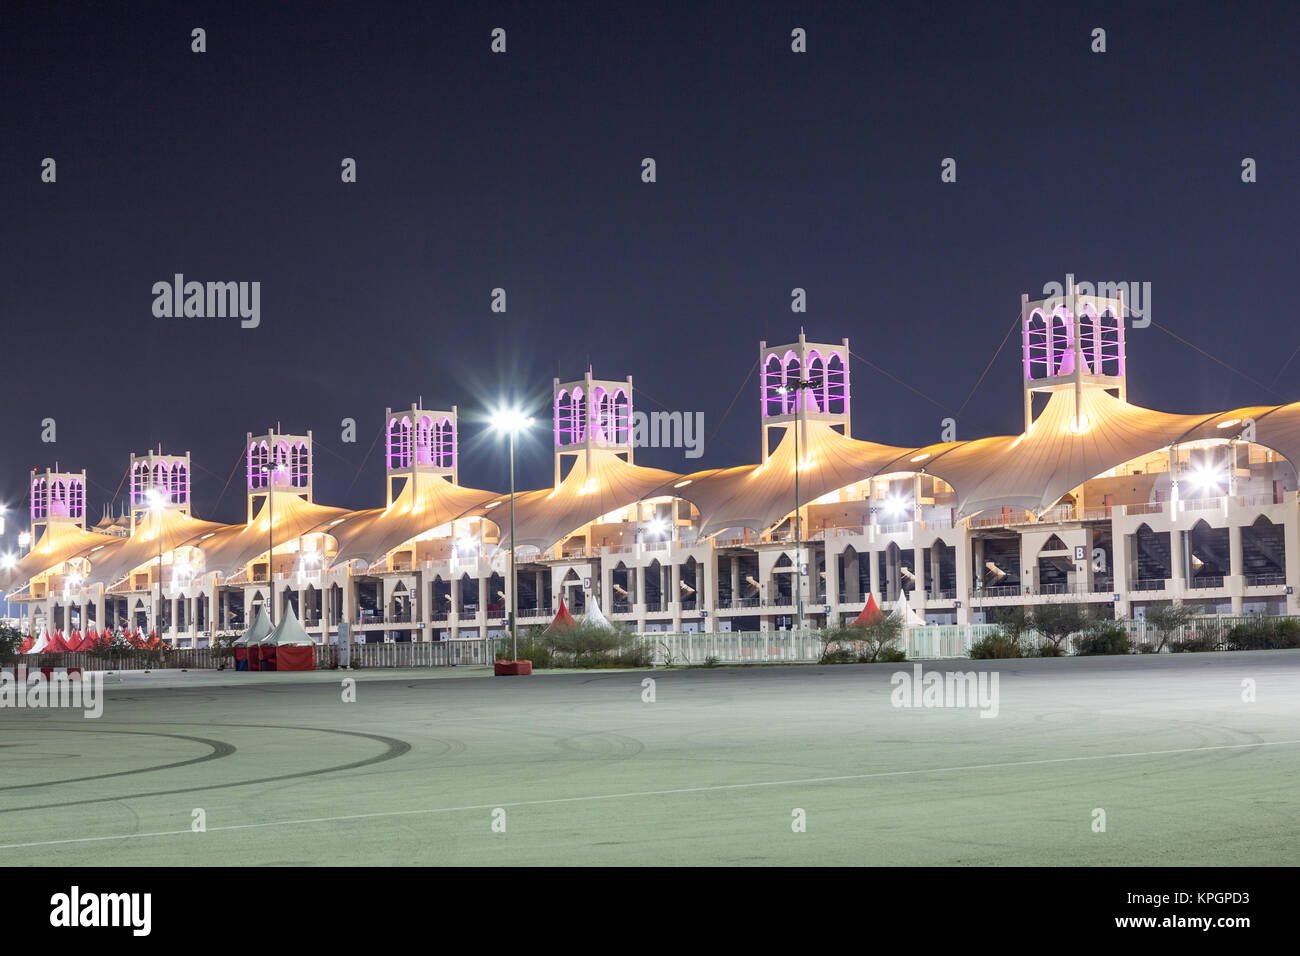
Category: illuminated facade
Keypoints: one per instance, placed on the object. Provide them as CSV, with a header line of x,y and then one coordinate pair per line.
x,y
1097,501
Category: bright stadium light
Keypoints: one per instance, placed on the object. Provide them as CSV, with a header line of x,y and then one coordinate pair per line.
x,y
512,421
24,538
9,562
658,526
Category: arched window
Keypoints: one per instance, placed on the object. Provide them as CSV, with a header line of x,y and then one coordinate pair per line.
x,y
790,401
622,417
424,441
815,399
444,455
773,400
300,463
399,443
837,385
579,404
563,418
137,484
40,499
259,456
76,498
180,485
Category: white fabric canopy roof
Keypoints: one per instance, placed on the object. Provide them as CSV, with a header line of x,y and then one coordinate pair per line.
x,y
426,502
288,633
544,517
177,530
260,628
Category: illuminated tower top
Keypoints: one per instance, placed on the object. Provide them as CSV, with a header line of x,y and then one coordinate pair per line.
x,y
592,413
420,441
278,463
1072,341
159,481
56,497
804,381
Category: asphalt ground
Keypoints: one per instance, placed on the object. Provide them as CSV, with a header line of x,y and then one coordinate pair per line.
x,y
725,766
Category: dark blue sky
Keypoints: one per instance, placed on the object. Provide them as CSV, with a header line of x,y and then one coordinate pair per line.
x,y
522,171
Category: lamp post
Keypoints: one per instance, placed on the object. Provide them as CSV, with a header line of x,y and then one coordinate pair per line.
x,y
269,471
512,421
24,540
796,388
156,505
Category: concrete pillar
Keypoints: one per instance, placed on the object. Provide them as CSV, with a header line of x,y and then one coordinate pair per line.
x,y
964,590
735,578
853,576
873,572
935,577
832,584
1176,582
707,598
1237,581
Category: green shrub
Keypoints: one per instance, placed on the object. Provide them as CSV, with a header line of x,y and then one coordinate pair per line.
x,y
1103,638
995,646
1264,634
1199,643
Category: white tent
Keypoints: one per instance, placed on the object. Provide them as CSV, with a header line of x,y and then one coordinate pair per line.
x,y
905,613
260,629
594,616
40,642
288,633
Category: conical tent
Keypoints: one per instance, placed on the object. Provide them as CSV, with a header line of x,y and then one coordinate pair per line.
x,y
295,650
261,653
595,617
870,612
260,628
40,642
564,621
905,613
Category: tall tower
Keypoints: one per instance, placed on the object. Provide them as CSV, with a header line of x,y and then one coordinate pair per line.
x,y
1072,341
159,480
825,369
279,463
419,441
57,497
592,413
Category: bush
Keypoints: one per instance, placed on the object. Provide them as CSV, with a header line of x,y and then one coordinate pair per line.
x,y
996,646
583,646
1103,638
1199,643
872,643
1264,634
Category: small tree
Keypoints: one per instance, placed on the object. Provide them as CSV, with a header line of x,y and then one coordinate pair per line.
x,y
11,640
1167,619
1056,622
879,639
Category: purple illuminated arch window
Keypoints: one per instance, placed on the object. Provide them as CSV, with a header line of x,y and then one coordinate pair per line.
x,y
138,484
444,444
836,391
773,400
399,443
570,417
76,498
259,456
815,400
40,499
299,462
180,483
622,417
58,500
602,424
1101,339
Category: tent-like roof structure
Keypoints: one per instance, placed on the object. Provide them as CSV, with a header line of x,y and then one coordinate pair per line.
x,y
60,542
260,628
564,621
544,517
177,530
595,617
288,633
232,547
426,502
904,612
761,496
1061,451
870,611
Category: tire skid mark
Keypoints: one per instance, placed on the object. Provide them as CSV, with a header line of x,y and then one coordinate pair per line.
x,y
394,748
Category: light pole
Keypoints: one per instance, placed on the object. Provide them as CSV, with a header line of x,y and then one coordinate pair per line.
x,y
512,421
797,387
270,538
24,540
156,504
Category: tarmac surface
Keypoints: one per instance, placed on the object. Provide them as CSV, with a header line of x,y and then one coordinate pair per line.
x,y
454,766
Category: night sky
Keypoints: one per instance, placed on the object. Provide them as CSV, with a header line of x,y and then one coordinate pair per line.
x,y
523,171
